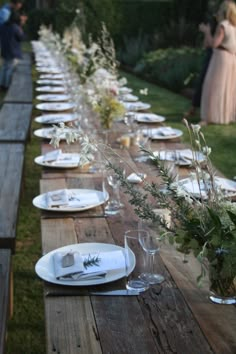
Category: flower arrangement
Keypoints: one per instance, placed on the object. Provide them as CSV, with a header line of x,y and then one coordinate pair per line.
x,y
108,108
205,225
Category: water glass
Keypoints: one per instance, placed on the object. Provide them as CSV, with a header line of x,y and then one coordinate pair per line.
x,y
151,243
134,251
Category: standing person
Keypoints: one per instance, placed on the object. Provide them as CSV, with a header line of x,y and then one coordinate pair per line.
x,y
11,35
218,103
6,10
211,20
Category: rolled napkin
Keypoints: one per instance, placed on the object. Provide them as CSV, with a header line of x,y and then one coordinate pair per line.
x,y
52,155
76,266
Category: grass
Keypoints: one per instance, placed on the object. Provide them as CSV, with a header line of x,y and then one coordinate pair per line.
x,y
221,138
26,328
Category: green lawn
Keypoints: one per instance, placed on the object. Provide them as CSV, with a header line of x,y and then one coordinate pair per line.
x,y
26,328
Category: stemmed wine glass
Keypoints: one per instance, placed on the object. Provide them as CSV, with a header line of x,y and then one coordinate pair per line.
x,y
151,243
114,204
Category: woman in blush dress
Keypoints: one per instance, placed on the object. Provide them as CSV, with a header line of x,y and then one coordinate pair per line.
x,y
218,102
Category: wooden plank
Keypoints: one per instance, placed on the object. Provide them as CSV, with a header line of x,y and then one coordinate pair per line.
x,y
15,122
26,59
11,162
5,267
70,323
21,88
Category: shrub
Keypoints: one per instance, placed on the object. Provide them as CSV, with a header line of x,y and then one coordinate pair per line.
x,y
133,49
170,67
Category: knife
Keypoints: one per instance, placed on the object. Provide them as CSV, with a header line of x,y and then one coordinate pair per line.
x,y
121,292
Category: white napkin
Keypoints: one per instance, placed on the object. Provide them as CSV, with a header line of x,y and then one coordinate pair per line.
x,y
52,155
136,177
77,271
67,159
165,131
226,184
148,117
129,98
67,198
57,198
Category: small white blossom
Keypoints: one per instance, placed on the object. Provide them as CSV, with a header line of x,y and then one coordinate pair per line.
x,y
144,91
206,150
196,128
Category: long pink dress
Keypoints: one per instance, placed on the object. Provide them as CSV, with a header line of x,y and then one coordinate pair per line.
x,y
218,103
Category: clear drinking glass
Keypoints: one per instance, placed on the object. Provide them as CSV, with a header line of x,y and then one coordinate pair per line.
x,y
151,243
134,251
114,204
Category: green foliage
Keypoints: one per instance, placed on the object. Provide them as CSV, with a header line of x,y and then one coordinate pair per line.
x,y
133,49
36,19
176,34
170,67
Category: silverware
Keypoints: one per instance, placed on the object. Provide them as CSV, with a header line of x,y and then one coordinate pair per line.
x,y
121,292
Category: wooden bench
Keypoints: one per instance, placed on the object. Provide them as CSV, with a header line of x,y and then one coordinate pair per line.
x,y
15,121
21,89
11,171
5,294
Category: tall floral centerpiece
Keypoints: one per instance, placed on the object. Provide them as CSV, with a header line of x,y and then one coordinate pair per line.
x,y
204,224
108,108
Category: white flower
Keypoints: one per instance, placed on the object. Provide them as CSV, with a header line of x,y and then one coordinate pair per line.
x,y
197,142
206,150
196,128
144,91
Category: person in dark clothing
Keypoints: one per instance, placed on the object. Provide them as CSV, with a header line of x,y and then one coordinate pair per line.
x,y
11,35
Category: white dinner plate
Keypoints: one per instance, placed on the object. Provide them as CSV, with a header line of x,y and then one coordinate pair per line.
x,y
192,187
54,89
155,134
53,97
56,118
41,200
47,133
45,269
124,90
136,106
52,76
183,160
50,82
148,118
129,98
63,162
56,107
49,69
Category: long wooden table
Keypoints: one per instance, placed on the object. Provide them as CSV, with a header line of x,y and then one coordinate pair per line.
x,y
174,317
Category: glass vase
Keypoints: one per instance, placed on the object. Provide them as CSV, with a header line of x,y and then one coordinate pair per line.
x,y
222,288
